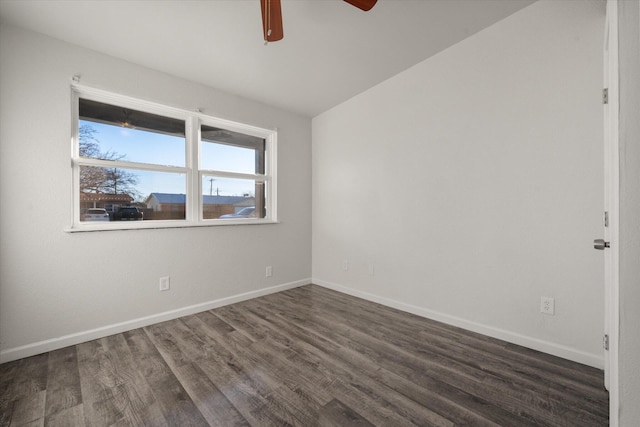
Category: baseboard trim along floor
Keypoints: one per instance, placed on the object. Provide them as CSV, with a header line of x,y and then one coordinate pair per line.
x,y
92,334
554,349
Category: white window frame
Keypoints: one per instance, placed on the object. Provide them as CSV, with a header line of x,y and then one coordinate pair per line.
x,y
193,204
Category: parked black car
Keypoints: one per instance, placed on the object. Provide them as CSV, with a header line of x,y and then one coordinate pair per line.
x,y
127,213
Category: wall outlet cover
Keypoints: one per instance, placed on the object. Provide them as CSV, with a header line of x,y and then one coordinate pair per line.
x,y
547,305
165,283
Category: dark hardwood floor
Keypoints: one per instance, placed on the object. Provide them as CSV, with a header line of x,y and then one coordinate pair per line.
x,y
304,357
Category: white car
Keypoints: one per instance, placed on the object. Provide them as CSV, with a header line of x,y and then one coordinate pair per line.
x,y
248,212
95,214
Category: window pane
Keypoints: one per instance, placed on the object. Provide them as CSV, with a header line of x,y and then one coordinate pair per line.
x,y
229,151
156,195
228,198
114,133
137,164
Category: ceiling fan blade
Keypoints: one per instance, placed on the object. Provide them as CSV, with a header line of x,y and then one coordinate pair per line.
x,y
271,20
362,4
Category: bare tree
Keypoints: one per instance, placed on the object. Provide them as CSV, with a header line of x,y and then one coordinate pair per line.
x,y
89,144
95,179
120,181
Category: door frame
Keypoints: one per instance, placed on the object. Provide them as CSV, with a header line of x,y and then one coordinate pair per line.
x,y
612,205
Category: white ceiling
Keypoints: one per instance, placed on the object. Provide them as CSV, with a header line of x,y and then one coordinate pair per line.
x,y
331,50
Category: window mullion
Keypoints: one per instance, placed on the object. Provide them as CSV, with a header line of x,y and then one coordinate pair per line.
x,y
194,199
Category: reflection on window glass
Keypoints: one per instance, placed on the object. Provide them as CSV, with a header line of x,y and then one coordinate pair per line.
x,y
108,132
229,198
131,195
228,151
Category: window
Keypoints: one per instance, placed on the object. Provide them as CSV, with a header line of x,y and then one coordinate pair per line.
x,y
150,166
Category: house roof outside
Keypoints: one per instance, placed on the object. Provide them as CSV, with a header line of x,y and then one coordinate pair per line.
x,y
245,202
180,199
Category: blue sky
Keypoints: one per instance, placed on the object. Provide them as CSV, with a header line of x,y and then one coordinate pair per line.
x,y
149,147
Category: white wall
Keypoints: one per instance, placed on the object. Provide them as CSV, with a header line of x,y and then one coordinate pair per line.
x,y
76,286
629,352
473,183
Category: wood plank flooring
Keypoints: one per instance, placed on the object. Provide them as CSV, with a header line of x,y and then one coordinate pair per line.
x,y
304,357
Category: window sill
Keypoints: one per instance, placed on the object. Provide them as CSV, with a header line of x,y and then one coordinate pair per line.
x,y
155,225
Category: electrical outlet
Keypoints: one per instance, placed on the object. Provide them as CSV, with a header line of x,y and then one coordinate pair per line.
x,y
547,305
345,265
165,283
268,271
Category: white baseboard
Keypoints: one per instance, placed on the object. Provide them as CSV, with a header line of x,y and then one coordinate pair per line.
x,y
83,336
104,331
559,350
